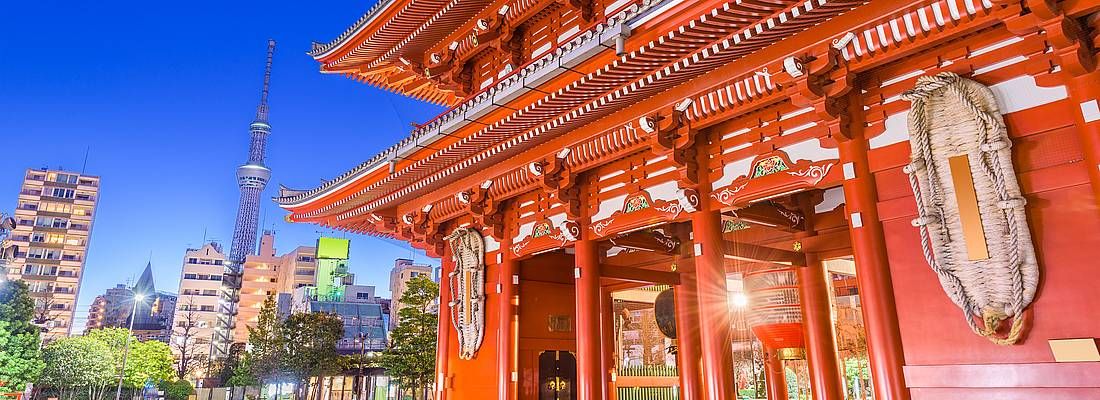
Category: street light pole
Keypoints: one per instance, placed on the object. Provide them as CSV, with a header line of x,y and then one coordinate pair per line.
x,y
126,351
362,339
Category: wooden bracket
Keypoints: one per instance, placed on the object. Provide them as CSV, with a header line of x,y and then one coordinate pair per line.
x,y
822,82
674,137
584,7
559,181
1070,39
484,209
384,223
497,33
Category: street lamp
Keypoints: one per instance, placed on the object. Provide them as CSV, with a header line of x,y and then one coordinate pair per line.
x,y
361,340
138,297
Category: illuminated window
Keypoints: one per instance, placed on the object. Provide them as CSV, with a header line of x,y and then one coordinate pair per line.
x,y
55,238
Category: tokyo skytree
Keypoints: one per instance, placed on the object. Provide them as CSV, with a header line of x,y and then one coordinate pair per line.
x,y
252,177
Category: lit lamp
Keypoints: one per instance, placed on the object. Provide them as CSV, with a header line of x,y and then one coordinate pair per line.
x,y
138,298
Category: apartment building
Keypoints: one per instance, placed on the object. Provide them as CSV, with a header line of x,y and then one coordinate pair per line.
x,y
403,271
267,274
196,312
54,216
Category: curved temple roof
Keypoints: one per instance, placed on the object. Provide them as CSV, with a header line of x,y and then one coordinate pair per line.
x,y
485,144
320,50
383,48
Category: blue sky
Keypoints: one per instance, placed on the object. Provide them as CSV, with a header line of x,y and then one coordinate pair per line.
x,y
160,94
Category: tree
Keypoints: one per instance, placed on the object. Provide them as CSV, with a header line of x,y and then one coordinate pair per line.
x,y
310,340
43,309
231,363
267,351
148,360
20,354
78,365
241,374
186,341
178,390
410,358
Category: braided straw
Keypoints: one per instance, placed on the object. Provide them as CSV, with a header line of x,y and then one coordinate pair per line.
x,y
468,251
950,116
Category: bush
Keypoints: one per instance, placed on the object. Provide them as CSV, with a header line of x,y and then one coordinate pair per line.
x,y
178,390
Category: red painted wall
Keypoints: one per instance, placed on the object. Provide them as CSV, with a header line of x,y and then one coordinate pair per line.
x,y
944,359
474,379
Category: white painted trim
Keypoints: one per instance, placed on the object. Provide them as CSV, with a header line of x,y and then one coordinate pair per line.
x,y
1090,111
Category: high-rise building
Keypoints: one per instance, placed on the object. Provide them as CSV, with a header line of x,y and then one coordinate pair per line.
x,y
196,312
252,178
298,268
7,248
403,271
110,309
153,314
53,222
266,274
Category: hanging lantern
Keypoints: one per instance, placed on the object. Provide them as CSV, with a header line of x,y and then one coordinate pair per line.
x,y
776,316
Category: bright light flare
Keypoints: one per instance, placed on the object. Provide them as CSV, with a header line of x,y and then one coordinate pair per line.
x,y
738,300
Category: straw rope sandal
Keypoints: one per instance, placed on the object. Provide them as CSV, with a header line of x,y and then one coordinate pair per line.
x,y
952,116
468,290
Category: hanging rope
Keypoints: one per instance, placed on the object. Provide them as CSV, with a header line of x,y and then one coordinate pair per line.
x,y
952,116
468,289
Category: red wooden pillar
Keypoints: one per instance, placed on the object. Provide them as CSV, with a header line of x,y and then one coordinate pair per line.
x,y
817,323
687,332
607,344
506,345
1084,91
775,376
442,351
587,285
876,290
716,339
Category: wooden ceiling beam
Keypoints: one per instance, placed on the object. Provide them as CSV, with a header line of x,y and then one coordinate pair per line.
x,y
772,215
639,275
648,241
757,253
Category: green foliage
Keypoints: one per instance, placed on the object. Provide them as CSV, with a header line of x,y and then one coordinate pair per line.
x,y
302,346
20,358
267,350
310,340
17,307
410,358
146,360
78,362
241,373
20,353
178,390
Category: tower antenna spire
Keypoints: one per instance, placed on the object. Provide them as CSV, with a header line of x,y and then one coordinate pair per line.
x,y
261,110
252,178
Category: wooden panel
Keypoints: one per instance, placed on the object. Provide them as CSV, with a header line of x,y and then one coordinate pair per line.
x,y
1005,394
969,216
1044,375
